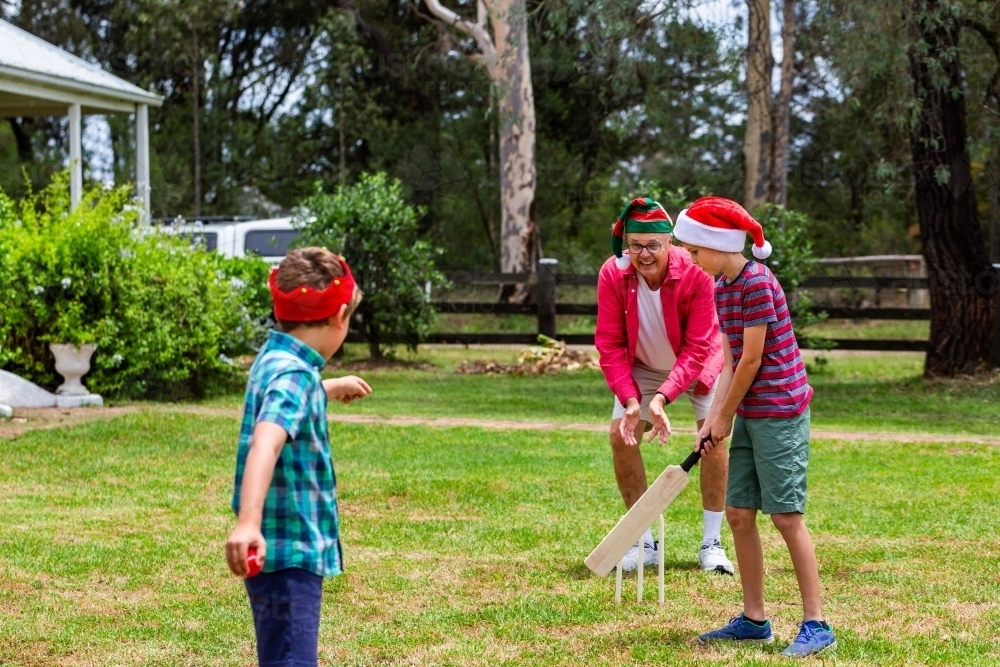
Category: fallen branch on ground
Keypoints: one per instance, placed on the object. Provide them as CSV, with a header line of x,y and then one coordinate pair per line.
x,y
551,357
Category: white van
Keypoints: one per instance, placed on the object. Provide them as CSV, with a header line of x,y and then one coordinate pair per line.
x,y
269,239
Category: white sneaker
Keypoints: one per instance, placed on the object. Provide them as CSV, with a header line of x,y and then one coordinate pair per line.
x,y
631,559
713,558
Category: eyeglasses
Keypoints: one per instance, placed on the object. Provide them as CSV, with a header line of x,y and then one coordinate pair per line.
x,y
653,247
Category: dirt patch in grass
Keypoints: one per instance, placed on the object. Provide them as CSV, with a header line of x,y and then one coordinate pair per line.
x,y
107,598
25,653
422,582
971,613
35,419
503,425
26,420
418,516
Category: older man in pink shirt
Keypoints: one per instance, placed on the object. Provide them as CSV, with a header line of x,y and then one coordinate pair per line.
x,y
658,337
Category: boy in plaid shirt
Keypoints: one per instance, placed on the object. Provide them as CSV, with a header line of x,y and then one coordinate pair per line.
x,y
285,489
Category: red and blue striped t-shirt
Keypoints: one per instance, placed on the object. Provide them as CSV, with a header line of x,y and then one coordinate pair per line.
x,y
780,388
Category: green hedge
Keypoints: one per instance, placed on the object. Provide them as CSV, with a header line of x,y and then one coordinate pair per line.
x,y
168,318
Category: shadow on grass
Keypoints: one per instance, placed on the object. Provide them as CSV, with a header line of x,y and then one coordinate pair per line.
x,y
580,571
658,644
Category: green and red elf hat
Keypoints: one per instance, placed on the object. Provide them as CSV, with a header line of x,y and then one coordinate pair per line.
x,y
641,216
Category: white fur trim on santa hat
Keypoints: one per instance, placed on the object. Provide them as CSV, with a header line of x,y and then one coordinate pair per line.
x,y
623,261
762,252
689,230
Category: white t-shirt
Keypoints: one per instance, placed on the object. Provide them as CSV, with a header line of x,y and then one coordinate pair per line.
x,y
653,348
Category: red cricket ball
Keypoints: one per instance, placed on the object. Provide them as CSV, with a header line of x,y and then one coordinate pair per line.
x,y
253,563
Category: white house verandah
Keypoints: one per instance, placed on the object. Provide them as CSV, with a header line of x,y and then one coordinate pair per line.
x,y
39,79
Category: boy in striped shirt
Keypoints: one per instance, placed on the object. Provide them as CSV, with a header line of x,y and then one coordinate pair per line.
x,y
764,385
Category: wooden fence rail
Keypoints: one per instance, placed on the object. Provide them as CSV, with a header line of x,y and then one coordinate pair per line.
x,y
885,345
545,308
834,313
590,280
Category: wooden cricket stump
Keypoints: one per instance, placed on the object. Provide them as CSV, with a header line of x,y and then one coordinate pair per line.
x,y
639,570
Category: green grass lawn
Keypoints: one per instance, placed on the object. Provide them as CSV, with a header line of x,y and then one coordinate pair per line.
x,y
853,391
868,329
466,547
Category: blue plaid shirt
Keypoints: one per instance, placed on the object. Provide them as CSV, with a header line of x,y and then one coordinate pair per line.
x,y
300,520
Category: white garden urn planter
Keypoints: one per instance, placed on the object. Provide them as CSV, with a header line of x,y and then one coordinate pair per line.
x,y
72,363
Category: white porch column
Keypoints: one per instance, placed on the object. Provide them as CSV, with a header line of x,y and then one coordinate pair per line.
x,y
142,158
75,155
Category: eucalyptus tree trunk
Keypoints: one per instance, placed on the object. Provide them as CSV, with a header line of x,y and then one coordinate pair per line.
x,y
962,290
520,244
505,57
757,142
783,107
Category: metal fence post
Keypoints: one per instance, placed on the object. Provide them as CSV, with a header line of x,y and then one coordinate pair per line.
x,y
545,296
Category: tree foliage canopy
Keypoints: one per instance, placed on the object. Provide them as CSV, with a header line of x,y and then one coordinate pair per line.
x,y
625,91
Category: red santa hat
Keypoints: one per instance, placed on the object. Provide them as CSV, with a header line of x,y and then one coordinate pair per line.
x,y
720,224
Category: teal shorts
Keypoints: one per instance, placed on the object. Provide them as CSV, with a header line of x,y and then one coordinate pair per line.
x,y
768,458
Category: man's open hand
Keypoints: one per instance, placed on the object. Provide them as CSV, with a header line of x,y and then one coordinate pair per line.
x,y
629,421
658,418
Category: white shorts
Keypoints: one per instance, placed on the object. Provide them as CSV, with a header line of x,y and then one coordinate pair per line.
x,y
649,381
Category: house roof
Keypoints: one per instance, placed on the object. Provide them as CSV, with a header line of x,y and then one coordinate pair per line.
x,y
37,78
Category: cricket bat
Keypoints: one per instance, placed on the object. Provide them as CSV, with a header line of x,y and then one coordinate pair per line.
x,y
630,527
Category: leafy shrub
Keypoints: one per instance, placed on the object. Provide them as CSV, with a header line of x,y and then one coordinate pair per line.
x,y
166,317
248,304
371,224
792,261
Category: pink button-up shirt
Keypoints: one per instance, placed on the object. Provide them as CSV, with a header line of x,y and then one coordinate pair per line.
x,y
688,296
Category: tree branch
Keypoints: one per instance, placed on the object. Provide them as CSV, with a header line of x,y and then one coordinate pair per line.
x,y
991,39
24,152
293,77
989,36
645,19
476,30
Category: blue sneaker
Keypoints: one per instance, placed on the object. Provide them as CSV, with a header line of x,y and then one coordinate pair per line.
x,y
740,630
814,637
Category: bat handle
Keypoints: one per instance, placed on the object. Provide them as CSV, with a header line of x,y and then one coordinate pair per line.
x,y
692,460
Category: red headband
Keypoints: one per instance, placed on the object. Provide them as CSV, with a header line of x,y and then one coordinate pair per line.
x,y
305,304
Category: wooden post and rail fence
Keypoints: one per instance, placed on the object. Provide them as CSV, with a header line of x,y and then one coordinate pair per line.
x,y
546,307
